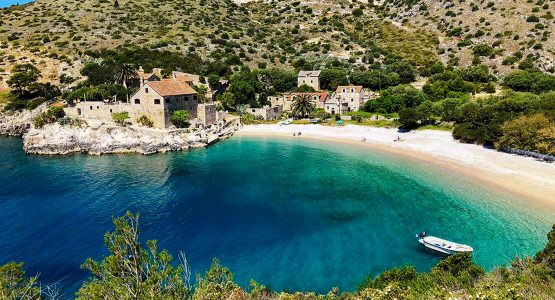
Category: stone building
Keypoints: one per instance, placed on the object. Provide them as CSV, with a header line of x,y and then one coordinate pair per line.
x,y
310,78
266,112
157,100
345,99
286,101
160,99
207,114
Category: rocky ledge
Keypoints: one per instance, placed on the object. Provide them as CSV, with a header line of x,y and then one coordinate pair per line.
x,y
19,122
109,138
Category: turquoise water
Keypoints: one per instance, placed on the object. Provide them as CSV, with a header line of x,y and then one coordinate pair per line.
x,y
6,3
290,213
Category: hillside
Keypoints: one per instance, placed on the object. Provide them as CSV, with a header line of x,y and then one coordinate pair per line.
x,y
501,33
256,34
289,33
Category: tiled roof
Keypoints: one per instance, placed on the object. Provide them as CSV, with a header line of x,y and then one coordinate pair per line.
x,y
170,87
309,73
321,95
358,88
183,78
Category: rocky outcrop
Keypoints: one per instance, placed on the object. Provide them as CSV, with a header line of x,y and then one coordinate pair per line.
x,y
19,122
108,138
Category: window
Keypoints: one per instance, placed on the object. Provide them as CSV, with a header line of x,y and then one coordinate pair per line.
x,y
90,107
79,111
110,110
352,100
97,107
352,90
156,101
344,90
146,90
137,101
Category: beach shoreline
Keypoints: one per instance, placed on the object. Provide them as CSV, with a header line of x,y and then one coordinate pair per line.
x,y
524,177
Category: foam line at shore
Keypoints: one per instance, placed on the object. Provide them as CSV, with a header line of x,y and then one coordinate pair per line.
x,y
523,176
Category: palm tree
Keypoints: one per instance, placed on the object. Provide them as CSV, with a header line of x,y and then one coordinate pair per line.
x,y
124,73
303,106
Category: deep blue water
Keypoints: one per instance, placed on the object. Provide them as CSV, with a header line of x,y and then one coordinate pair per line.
x,y
6,3
290,213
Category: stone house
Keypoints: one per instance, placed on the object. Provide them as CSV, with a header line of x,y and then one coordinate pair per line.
x,y
157,100
346,98
286,101
310,78
266,112
160,99
145,77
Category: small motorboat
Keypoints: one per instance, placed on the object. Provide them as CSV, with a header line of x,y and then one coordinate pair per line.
x,y
441,245
286,122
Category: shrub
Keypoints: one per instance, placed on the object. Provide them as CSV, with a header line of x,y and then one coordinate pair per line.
x,y
180,118
120,118
53,114
145,121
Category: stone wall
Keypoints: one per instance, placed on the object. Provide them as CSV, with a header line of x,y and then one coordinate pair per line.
x,y
207,113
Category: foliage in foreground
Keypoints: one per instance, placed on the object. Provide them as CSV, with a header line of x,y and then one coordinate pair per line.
x,y
132,271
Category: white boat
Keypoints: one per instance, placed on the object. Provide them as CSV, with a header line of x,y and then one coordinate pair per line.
x,y
286,122
443,246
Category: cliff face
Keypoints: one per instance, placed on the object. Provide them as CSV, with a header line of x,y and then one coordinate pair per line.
x,y
17,123
106,139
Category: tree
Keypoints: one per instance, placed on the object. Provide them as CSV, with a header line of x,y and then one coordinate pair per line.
x,y
180,118
131,271
213,81
120,117
216,284
302,106
14,284
409,118
227,100
331,78
529,133
201,91
406,71
23,78
125,73
305,89
547,255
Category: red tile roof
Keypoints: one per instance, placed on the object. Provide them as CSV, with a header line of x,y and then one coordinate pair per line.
x,y
321,95
170,87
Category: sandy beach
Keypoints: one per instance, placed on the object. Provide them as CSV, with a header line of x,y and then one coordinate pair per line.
x,y
523,176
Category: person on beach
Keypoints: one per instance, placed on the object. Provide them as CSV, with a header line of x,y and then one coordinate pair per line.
x,y
294,134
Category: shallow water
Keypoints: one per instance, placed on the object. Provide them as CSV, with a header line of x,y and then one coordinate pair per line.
x,y
290,213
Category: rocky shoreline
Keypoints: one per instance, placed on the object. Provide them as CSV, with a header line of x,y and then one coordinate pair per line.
x,y
97,138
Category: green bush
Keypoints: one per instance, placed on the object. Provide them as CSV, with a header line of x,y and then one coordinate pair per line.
x,y
51,115
145,121
120,118
180,118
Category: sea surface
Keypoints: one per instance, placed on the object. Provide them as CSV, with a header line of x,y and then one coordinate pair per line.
x,y
6,3
293,214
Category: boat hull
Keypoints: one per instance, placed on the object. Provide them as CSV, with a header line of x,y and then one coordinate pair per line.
x,y
438,247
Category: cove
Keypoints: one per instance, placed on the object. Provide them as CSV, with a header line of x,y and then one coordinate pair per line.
x,y
293,214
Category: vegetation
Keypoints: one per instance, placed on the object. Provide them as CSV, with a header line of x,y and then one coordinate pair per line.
x,y
145,121
302,106
180,118
26,91
120,118
51,115
133,271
